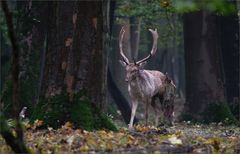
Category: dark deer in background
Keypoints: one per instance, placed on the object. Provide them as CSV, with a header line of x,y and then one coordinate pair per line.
x,y
143,85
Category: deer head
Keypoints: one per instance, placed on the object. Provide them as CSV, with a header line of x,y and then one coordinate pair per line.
x,y
133,68
170,89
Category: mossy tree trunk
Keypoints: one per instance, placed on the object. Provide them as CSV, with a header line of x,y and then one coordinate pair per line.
x,y
77,44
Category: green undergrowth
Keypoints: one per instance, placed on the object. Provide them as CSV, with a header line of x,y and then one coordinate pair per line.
x,y
25,96
218,112
27,86
57,110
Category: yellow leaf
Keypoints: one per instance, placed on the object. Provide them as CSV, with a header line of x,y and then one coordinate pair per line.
x,y
200,139
139,128
215,142
130,139
157,152
109,146
104,135
68,125
84,147
93,142
175,140
178,134
37,123
28,126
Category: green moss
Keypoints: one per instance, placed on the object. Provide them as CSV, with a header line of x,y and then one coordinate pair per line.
x,y
26,96
57,110
53,111
86,115
106,122
219,112
214,112
82,115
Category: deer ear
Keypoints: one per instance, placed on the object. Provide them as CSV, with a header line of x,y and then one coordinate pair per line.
x,y
141,65
168,79
123,63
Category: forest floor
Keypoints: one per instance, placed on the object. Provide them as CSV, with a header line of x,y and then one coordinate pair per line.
x,y
183,137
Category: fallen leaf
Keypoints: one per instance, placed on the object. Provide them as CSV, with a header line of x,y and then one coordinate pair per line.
x,y
175,140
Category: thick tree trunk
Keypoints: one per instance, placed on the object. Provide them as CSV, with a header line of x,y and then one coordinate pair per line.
x,y
88,45
76,56
204,77
75,69
229,35
59,41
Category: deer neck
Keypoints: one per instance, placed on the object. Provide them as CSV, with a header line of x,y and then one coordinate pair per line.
x,y
137,87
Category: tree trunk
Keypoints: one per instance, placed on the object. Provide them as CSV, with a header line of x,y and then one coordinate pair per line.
x,y
229,35
75,69
204,77
91,59
134,36
59,41
77,49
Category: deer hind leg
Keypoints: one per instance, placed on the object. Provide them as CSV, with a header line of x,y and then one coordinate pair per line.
x,y
134,108
168,112
157,109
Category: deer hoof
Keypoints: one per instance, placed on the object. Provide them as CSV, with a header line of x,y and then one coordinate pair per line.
x,y
131,128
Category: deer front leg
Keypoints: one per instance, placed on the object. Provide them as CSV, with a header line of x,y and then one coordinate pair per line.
x,y
146,112
157,115
134,108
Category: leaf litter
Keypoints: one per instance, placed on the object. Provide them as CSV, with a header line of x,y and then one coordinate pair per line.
x,y
180,138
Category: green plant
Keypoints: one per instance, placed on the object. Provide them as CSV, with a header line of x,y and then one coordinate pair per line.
x,y
83,113
219,112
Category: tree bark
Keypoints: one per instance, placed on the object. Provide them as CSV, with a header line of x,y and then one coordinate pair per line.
x,y
204,77
134,36
78,41
59,44
92,56
229,34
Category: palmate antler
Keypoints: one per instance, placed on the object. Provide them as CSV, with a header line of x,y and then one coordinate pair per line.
x,y
153,51
154,47
125,59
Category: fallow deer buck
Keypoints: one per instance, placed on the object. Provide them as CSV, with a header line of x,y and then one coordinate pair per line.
x,y
144,85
